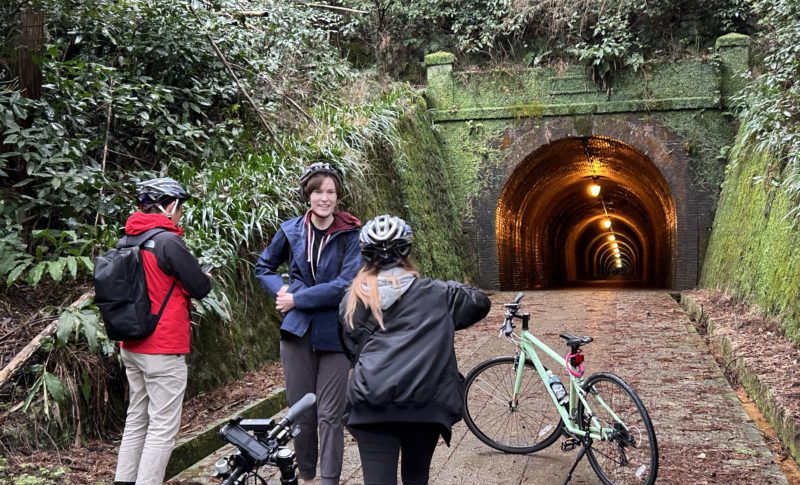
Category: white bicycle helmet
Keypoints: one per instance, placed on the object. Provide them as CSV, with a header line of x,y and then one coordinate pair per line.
x,y
385,240
157,190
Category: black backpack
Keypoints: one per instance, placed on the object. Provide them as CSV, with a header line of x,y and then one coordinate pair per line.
x,y
120,289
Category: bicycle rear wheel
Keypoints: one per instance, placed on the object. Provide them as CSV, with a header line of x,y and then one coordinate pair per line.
x,y
630,454
534,424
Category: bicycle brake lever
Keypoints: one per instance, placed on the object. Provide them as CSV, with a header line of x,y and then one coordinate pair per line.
x,y
506,328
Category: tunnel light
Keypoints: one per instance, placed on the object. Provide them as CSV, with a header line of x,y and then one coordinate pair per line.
x,y
594,189
612,238
607,223
618,265
615,245
616,250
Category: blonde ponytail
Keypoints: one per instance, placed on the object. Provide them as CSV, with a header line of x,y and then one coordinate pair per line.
x,y
364,289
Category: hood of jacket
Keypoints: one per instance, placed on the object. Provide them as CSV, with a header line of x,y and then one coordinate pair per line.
x,y
342,221
392,284
140,222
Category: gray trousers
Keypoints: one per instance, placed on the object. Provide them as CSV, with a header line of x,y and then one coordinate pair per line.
x,y
324,374
157,383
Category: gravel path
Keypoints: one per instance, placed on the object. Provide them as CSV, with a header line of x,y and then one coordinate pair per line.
x,y
704,434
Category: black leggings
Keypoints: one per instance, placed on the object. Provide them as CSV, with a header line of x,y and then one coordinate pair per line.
x,y
380,445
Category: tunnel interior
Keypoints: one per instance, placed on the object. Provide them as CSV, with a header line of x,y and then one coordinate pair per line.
x,y
552,230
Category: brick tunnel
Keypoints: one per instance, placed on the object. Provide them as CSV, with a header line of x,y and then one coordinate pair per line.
x,y
551,229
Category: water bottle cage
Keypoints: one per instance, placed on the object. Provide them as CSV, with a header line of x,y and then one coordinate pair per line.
x,y
574,362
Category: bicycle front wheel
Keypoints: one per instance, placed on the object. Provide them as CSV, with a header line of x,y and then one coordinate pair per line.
x,y
490,413
628,452
251,478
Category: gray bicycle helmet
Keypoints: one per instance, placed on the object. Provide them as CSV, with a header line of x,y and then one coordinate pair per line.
x,y
158,190
385,240
315,169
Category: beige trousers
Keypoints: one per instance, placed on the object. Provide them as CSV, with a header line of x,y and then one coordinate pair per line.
x,y
157,384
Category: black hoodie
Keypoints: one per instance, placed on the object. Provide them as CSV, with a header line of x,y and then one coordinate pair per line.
x,y
408,372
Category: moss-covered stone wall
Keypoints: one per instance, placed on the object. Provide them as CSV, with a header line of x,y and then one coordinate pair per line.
x,y
753,252
675,108
224,351
512,92
416,181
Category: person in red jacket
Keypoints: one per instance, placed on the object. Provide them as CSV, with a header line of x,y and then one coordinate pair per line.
x,y
156,365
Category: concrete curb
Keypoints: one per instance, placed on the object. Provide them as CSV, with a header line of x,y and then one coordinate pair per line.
x,y
784,424
194,448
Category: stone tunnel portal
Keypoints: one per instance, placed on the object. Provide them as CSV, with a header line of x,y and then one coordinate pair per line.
x,y
552,230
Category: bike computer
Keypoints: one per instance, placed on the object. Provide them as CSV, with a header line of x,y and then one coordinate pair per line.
x,y
235,435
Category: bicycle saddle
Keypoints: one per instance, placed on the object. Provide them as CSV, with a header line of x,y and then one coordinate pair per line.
x,y
575,340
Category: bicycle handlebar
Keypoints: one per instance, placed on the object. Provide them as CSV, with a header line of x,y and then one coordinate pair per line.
x,y
235,474
257,450
300,407
511,311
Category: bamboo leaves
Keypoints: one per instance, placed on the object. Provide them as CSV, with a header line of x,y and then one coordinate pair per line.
x,y
72,323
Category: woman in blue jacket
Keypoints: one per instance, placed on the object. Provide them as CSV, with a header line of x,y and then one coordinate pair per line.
x,y
322,250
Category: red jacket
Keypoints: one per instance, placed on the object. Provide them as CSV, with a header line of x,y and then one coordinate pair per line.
x,y
166,260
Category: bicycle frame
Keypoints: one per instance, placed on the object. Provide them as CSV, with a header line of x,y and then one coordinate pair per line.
x,y
526,346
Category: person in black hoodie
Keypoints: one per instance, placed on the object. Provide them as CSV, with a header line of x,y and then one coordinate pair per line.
x,y
397,329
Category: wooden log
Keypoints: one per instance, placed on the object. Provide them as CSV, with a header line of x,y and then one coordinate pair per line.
x,y
27,352
11,411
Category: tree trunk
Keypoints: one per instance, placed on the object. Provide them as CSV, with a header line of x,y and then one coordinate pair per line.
x,y
29,52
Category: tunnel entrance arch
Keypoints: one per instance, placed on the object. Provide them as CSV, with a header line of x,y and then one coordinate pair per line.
x,y
673,113
659,215
550,229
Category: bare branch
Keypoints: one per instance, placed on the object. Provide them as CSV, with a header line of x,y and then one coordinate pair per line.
x,y
235,78
26,353
99,218
263,13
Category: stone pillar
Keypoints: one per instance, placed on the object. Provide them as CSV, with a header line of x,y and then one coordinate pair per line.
x,y
439,92
733,52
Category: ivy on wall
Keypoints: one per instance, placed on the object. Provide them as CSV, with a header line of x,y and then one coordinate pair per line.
x,y
770,102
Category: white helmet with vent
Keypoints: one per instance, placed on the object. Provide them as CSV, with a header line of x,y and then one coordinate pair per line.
x,y
385,240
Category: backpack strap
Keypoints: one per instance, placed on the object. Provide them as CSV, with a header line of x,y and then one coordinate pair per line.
x,y
166,299
138,240
370,332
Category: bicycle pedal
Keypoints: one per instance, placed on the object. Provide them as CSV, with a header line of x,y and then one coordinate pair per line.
x,y
569,445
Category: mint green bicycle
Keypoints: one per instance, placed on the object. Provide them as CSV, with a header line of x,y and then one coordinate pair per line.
x,y
514,410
